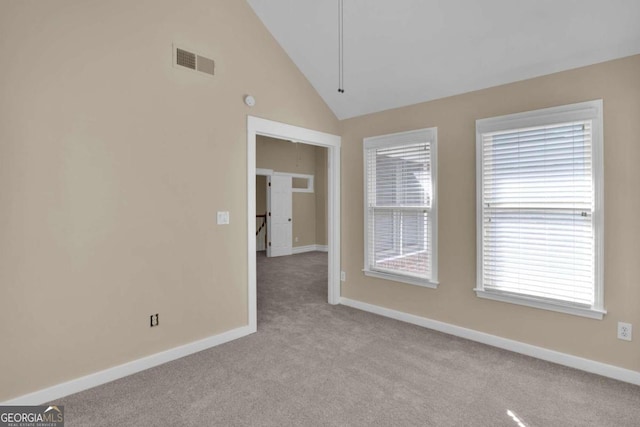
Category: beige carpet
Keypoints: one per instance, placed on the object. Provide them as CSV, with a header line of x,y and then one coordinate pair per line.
x,y
312,364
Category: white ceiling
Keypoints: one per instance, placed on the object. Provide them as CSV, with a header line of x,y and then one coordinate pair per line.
x,y
401,52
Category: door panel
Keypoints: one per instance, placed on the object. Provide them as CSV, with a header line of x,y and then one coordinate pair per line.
x,y
280,226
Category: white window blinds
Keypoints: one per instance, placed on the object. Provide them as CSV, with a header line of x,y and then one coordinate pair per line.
x,y
538,213
400,216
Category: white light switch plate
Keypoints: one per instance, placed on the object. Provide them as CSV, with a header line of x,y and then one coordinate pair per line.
x,y
223,217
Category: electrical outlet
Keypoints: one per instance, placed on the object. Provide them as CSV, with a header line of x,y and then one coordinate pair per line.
x,y
343,276
223,217
155,320
624,331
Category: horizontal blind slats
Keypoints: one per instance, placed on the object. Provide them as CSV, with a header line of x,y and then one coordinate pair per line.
x,y
537,205
399,196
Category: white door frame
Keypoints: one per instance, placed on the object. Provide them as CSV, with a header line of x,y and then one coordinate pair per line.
x,y
259,126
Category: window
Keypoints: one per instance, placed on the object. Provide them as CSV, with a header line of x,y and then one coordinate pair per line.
x,y
301,183
400,207
539,208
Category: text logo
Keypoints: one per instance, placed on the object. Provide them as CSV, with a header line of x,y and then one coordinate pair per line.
x,y
32,416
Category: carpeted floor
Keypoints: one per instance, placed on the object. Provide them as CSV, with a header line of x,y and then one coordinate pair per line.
x,y
313,364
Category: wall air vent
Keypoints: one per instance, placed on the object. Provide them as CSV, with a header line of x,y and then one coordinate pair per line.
x,y
188,59
205,65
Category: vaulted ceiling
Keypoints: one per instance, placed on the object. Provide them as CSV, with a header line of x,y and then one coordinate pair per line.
x,y
401,52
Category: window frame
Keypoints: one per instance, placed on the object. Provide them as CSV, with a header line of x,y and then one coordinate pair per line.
x,y
429,135
590,110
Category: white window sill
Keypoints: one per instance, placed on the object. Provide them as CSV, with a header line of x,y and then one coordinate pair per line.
x,y
403,279
544,305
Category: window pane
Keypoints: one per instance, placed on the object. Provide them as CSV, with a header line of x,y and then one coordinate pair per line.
x,y
539,166
402,176
300,182
401,241
542,253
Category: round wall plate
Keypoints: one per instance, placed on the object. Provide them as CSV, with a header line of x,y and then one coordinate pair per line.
x,y
250,100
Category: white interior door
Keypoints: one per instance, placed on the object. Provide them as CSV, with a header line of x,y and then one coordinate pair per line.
x,y
279,215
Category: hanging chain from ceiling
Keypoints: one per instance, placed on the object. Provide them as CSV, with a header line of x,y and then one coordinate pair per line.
x,y
340,46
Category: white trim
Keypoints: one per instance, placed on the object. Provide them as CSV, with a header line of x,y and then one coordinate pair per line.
x,y
252,301
309,248
310,178
310,185
587,365
302,249
402,138
402,278
589,312
259,126
597,132
545,116
102,377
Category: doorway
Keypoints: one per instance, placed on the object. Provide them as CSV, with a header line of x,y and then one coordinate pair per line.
x,y
291,197
257,126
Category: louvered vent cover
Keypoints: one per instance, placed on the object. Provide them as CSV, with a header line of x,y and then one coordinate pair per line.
x,y
186,59
205,65
193,61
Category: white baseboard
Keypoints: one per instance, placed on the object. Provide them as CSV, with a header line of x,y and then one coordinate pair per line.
x,y
92,380
576,362
309,248
302,249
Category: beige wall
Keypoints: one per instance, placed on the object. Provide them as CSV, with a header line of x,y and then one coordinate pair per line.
x,y
261,194
321,196
309,218
618,84
113,164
